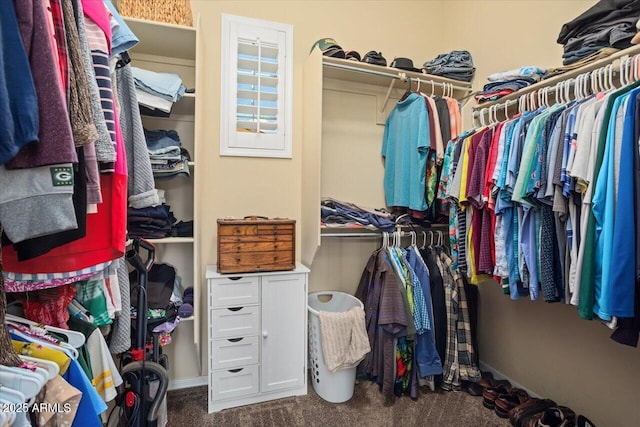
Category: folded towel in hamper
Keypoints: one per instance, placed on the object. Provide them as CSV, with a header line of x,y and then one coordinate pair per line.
x,y
344,338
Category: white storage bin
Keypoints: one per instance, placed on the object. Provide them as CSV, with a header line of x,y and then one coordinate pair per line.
x,y
335,387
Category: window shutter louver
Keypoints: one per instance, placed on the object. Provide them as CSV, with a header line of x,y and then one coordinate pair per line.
x,y
256,120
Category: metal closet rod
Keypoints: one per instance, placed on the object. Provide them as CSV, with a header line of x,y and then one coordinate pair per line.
x,y
378,234
624,61
399,76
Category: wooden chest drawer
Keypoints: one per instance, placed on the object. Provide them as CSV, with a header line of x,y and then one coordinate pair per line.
x,y
256,244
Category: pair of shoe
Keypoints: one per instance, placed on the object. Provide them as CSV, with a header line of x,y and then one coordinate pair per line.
x,y
522,415
555,416
504,403
490,394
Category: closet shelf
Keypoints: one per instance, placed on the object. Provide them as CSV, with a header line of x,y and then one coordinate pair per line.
x,y
511,98
168,240
176,41
361,72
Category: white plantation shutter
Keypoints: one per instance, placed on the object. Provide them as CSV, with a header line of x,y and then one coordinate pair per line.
x,y
256,88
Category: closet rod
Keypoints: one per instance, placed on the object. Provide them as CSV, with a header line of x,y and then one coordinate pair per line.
x,y
428,78
369,235
558,80
608,77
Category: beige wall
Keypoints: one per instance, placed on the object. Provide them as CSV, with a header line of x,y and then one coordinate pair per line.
x,y
546,348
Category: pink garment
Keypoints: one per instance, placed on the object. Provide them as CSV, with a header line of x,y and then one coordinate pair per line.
x,y
97,11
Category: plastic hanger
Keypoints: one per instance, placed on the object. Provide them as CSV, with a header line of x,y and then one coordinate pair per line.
x,y
424,240
75,338
433,87
61,346
52,368
610,75
26,382
10,395
622,72
546,96
577,89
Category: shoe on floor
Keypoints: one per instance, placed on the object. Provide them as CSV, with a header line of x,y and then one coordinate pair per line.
x,y
523,414
506,402
490,395
474,389
557,416
583,421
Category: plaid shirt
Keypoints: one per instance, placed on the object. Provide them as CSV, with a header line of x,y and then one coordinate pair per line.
x,y
450,368
60,44
459,358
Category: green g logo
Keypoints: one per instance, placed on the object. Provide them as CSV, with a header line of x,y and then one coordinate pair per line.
x,y
61,176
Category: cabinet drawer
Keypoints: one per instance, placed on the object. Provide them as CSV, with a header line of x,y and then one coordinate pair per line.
x,y
233,291
234,352
257,261
235,322
232,383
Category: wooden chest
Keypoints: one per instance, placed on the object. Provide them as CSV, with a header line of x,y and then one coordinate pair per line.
x,y
256,244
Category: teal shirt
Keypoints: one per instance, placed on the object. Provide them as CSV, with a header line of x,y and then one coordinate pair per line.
x,y
405,146
604,214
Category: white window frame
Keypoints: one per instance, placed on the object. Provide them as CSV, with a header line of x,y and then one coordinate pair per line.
x,y
232,142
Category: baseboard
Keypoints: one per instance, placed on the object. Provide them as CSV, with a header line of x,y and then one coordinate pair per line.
x,y
499,375
181,383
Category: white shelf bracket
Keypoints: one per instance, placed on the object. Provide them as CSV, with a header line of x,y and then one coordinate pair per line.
x,y
386,98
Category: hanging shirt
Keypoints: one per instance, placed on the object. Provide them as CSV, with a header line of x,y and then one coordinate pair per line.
x,y
587,285
622,271
604,211
405,146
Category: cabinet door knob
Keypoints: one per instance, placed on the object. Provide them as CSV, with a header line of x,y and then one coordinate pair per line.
x,y
265,334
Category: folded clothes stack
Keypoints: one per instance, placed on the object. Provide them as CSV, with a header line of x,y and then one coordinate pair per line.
x,y
335,213
168,158
506,82
157,91
607,24
153,222
456,65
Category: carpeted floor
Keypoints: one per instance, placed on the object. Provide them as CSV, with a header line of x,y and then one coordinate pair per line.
x,y
189,408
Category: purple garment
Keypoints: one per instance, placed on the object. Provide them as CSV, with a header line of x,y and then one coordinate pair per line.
x,y
56,141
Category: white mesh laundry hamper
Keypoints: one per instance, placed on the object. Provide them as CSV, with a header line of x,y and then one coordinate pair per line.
x,y
335,387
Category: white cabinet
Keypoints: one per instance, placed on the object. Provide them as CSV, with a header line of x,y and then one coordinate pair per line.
x,y
257,325
176,49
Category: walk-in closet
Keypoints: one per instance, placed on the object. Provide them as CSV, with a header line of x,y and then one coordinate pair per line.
x,y
306,213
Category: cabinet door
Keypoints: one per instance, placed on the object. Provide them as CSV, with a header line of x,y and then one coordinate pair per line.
x,y
284,309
